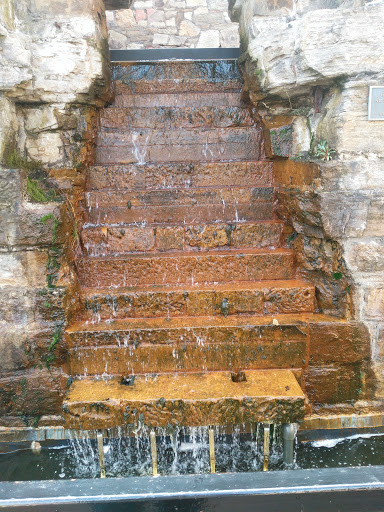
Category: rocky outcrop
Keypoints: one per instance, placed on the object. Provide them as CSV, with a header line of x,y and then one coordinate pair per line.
x,y
308,66
53,72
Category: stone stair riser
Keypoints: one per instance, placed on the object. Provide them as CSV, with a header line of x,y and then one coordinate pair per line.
x,y
174,117
188,269
124,239
191,302
203,99
188,357
180,176
242,212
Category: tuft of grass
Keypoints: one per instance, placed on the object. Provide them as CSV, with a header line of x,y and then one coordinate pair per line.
x,y
35,192
15,160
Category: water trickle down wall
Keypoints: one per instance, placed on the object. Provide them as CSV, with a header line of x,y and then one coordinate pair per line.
x,y
307,343
187,278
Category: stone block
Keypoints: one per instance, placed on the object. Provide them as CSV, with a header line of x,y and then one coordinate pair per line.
x,y
209,39
40,119
176,41
23,269
372,304
160,39
188,29
125,18
229,37
196,3
47,147
365,255
117,41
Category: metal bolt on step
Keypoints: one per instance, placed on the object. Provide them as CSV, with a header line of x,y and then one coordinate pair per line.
x,y
152,437
101,455
267,436
212,458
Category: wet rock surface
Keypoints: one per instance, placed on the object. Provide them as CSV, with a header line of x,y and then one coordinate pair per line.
x,y
187,268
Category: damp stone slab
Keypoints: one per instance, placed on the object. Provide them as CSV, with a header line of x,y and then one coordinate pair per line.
x,y
185,399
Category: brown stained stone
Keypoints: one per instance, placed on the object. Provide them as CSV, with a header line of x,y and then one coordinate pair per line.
x,y
169,238
181,214
202,99
208,237
285,301
343,342
198,196
289,173
119,176
258,235
179,137
174,117
180,175
32,392
186,268
218,300
109,240
334,384
195,330
185,400
186,356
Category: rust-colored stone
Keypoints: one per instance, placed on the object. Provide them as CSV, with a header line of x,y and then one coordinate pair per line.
x,y
215,300
186,268
190,400
334,384
204,99
180,175
192,354
338,342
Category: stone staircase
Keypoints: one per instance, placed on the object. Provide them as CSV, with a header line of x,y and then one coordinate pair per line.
x,y
186,282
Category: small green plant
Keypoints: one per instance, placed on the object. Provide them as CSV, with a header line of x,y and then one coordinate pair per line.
x,y
55,226
323,151
35,192
337,276
16,161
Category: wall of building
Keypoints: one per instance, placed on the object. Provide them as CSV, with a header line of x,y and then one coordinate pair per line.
x,y
308,66
173,24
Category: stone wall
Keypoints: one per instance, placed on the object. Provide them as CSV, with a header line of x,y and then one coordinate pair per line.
x,y
308,66
53,73
173,24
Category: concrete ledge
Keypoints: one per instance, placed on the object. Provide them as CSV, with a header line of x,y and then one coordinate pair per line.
x,y
331,489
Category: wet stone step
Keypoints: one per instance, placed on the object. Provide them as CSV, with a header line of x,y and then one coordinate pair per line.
x,y
195,330
190,214
180,175
188,268
140,139
213,71
200,99
218,144
188,357
185,400
258,298
184,197
181,152
174,117
117,240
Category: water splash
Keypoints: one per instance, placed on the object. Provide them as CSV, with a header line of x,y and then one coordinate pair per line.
x,y
139,152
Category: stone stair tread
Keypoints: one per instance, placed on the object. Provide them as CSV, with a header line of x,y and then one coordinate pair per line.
x,y
240,285
186,399
301,319
181,254
192,224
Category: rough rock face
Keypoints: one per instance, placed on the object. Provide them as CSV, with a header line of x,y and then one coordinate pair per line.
x,y
172,24
308,65
53,72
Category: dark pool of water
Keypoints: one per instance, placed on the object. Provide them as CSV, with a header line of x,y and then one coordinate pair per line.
x,y
131,456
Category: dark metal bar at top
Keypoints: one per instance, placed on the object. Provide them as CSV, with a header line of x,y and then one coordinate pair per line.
x,y
160,54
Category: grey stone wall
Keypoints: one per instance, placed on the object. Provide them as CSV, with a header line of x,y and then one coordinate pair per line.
x,y
53,73
173,24
308,66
